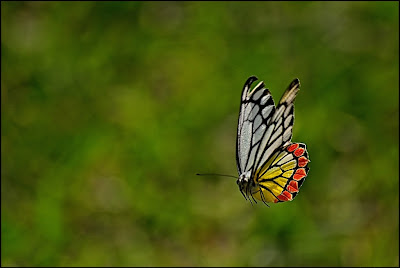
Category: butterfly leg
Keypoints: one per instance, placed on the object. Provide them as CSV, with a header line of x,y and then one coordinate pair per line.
x,y
241,190
253,198
247,193
263,197
251,194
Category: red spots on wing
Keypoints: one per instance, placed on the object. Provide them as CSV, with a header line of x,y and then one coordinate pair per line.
x,y
300,173
292,147
298,152
293,187
303,161
285,196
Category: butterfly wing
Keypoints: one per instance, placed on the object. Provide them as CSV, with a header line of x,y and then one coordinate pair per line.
x,y
280,178
281,166
279,131
256,110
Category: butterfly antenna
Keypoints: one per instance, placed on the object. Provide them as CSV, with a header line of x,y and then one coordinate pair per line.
x,y
215,174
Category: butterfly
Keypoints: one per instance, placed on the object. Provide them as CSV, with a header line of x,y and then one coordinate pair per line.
x,y
271,167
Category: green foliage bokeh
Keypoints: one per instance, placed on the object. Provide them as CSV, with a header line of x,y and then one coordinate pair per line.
x,y
108,109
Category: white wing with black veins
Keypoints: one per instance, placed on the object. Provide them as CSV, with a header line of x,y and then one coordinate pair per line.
x,y
262,127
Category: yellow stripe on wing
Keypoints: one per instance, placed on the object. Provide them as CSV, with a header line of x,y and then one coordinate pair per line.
x,y
289,165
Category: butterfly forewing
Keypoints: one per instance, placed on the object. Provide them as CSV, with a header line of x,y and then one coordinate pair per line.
x,y
279,131
256,109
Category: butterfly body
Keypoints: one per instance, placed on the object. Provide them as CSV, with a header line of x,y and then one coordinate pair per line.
x,y
271,168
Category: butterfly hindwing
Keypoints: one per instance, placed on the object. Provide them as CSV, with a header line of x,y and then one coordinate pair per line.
x,y
281,177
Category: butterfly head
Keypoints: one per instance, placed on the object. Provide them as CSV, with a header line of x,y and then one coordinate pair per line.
x,y
245,183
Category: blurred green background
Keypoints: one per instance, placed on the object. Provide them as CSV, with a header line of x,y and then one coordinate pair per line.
x,y
108,109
